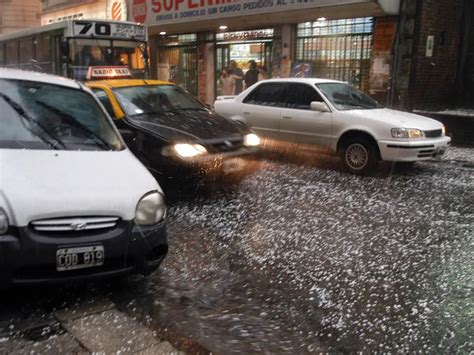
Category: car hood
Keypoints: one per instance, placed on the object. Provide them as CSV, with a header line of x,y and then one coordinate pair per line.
x,y
398,119
189,125
39,184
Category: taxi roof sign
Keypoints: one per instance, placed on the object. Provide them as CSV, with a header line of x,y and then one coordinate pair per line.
x,y
104,73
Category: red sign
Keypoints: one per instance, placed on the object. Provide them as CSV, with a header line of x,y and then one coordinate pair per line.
x,y
139,10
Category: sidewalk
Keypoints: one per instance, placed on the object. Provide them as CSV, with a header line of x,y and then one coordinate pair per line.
x,y
97,327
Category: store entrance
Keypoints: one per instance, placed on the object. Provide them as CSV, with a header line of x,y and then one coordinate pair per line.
x,y
242,53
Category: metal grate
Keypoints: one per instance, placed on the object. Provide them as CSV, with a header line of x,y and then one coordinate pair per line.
x,y
74,224
337,49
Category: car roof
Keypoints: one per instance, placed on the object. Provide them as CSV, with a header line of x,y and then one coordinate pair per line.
x,y
306,80
16,74
120,83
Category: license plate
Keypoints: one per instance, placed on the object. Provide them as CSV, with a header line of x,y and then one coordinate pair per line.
x,y
79,258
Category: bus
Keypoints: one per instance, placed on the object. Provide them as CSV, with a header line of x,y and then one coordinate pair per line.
x,y
69,48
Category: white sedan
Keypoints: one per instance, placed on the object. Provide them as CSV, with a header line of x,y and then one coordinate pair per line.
x,y
335,114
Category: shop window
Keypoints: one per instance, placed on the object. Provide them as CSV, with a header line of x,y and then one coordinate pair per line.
x,y
337,49
300,96
269,94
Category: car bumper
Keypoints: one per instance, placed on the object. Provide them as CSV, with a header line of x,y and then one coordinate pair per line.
x,y
410,151
29,257
210,164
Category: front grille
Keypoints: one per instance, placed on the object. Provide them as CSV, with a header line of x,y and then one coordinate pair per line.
x,y
72,224
435,133
428,153
228,145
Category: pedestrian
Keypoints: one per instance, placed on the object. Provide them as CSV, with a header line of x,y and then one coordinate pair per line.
x,y
227,82
251,76
238,75
262,73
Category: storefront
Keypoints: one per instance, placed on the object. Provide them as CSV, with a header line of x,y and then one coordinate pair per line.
x,y
193,40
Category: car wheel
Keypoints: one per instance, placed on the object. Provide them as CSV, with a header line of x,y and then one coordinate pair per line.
x,y
359,156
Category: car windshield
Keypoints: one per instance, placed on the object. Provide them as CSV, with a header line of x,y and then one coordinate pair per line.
x,y
345,97
44,116
149,99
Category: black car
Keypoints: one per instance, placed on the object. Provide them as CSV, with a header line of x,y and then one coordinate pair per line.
x,y
171,132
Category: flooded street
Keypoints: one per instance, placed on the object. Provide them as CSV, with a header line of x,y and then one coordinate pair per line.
x,y
300,257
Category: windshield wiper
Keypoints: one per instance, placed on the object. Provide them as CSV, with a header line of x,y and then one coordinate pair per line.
x,y
17,107
72,121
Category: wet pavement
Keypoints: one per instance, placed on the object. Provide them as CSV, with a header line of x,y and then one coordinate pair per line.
x,y
297,257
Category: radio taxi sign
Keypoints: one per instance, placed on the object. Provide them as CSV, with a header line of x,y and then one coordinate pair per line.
x,y
108,73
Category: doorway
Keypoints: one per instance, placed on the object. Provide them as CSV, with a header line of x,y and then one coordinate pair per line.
x,y
178,64
242,53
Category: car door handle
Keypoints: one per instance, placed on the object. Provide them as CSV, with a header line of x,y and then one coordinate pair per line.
x,y
246,113
287,117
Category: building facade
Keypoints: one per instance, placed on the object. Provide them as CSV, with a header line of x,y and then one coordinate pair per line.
x,y
193,40
406,54
434,55
18,15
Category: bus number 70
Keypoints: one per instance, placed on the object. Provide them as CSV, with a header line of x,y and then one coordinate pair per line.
x,y
100,29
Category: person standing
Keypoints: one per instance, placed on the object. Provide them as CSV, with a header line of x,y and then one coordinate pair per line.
x,y
227,83
251,76
238,75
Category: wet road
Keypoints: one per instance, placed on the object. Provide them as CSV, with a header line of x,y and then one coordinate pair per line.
x,y
300,256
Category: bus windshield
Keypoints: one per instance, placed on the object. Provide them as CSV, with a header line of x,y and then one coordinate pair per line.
x,y
94,52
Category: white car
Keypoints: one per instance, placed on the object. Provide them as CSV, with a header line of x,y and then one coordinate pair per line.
x,y
334,114
74,201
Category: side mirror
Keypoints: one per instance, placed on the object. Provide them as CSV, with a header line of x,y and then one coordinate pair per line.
x,y
319,106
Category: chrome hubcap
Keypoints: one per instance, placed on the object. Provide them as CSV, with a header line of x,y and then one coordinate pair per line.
x,y
357,156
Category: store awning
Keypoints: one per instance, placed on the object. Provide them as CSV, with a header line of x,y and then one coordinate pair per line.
x,y
185,16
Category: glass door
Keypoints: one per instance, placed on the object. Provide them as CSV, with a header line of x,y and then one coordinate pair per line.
x,y
222,61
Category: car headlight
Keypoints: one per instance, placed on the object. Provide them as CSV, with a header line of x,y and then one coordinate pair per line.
x,y
185,150
151,209
407,133
3,221
251,140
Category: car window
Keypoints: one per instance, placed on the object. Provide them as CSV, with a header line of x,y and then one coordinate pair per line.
x,y
300,96
104,99
268,94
